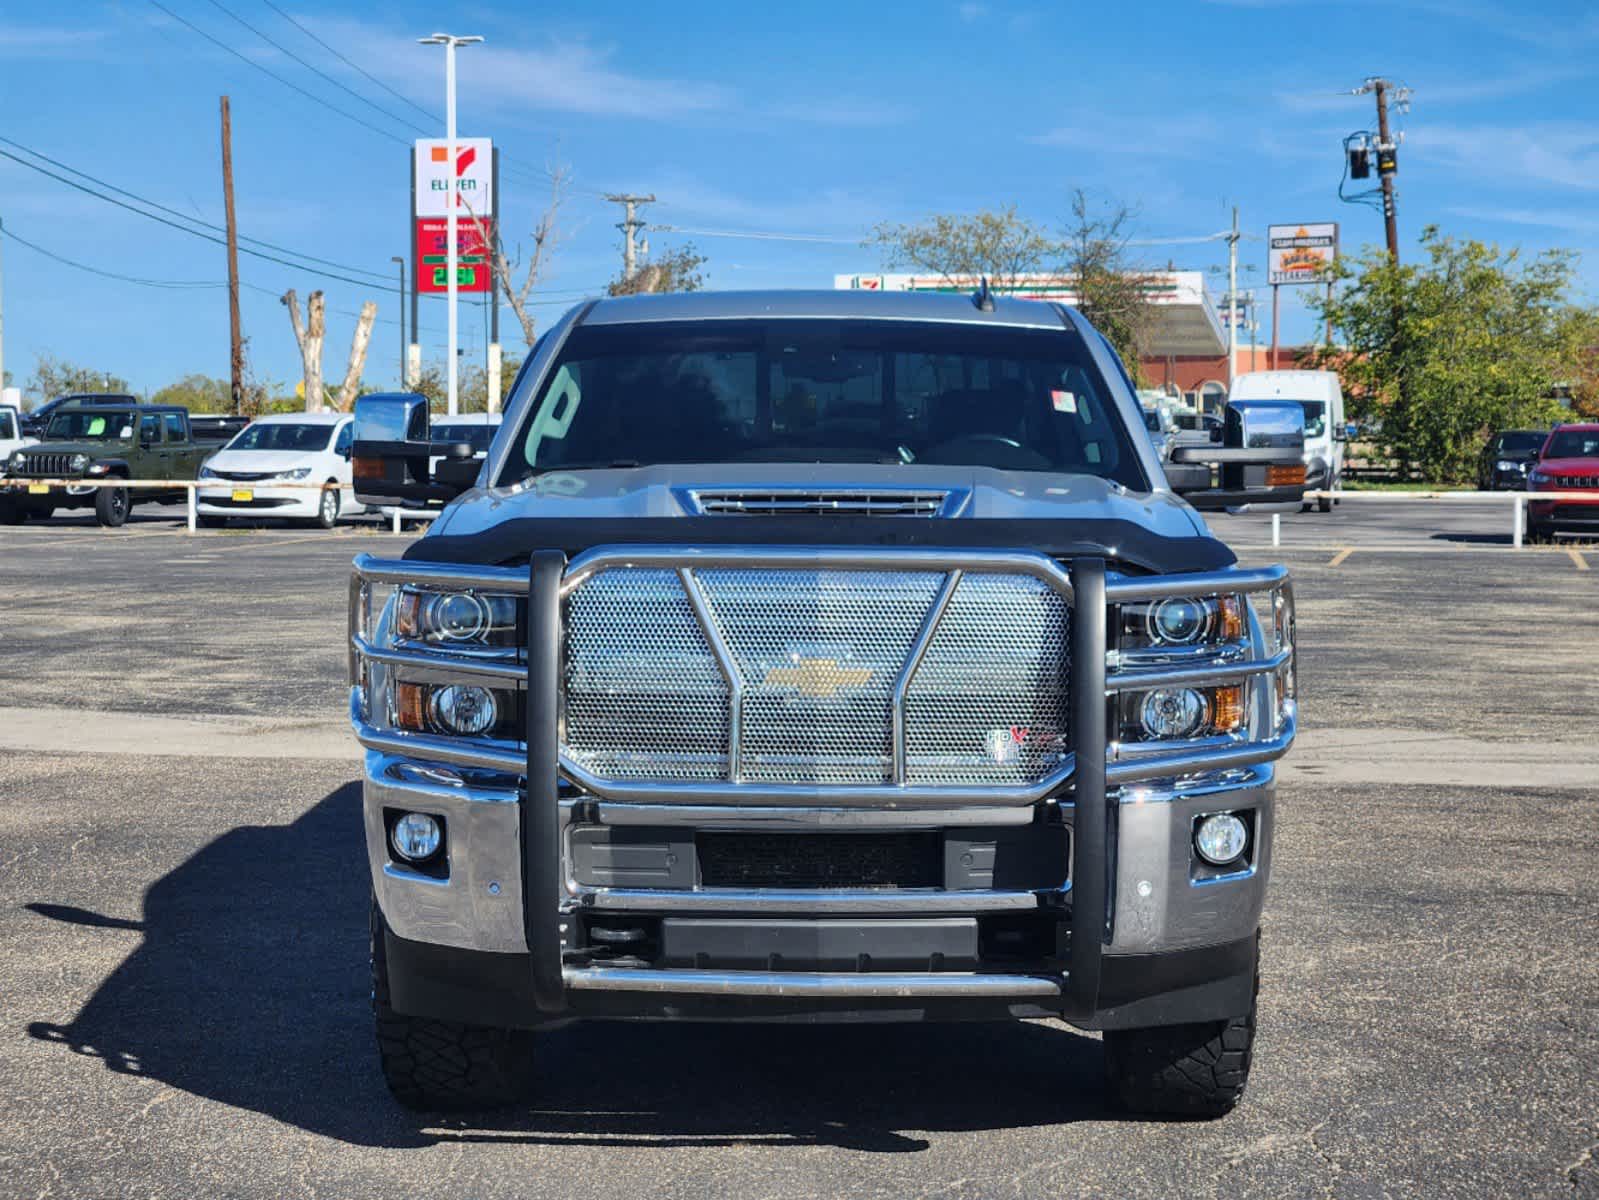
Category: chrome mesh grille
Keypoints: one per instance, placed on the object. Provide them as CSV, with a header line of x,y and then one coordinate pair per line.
x,y
997,664
645,698
817,654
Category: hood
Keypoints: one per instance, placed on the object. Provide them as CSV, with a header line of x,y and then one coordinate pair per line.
x,y
260,462
1570,466
1002,509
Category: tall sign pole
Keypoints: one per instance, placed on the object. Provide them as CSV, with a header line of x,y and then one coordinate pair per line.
x,y
413,363
236,353
491,252
452,251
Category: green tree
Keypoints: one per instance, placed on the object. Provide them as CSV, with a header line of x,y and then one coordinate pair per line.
x,y
963,247
1581,376
1112,290
54,377
197,393
1435,356
676,271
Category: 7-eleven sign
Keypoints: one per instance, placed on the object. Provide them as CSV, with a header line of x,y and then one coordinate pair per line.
x,y
465,177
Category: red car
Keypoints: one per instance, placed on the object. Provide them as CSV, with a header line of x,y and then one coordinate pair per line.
x,y
1568,462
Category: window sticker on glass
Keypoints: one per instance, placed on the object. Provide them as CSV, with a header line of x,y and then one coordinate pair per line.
x,y
1064,402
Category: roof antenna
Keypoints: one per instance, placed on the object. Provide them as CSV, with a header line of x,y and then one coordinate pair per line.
x,y
984,299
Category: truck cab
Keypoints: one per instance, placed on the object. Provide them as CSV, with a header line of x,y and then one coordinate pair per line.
x,y
1322,398
819,656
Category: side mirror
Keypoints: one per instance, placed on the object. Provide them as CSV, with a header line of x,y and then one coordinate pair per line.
x,y
390,451
1351,431
1261,459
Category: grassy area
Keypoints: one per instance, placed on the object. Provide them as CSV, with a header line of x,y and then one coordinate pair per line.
x,y
1368,485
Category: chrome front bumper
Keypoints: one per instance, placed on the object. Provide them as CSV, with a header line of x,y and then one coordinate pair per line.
x,y
1152,899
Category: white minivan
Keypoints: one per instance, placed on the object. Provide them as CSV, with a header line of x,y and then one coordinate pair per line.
x,y
245,477
1322,399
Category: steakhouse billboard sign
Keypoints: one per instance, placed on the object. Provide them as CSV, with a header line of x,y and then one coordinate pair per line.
x,y
1300,253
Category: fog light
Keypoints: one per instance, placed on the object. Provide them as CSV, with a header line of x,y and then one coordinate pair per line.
x,y
1221,838
463,709
416,836
1172,712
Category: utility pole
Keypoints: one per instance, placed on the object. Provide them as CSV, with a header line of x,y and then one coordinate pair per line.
x,y
236,351
450,42
1232,301
630,225
412,374
395,258
1387,153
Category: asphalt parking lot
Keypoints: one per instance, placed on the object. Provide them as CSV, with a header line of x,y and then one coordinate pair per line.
x,y
183,902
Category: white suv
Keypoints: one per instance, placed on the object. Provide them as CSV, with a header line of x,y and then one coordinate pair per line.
x,y
244,478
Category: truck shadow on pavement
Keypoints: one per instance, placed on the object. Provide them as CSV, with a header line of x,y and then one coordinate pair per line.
x,y
250,989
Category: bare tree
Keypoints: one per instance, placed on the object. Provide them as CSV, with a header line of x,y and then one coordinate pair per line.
x,y
530,267
676,271
1112,290
961,248
358,345
309,337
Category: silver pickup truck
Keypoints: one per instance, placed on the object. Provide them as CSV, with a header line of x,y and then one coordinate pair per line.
x,y
820,656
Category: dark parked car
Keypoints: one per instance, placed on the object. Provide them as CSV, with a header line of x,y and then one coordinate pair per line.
x,y
36,422
1506,459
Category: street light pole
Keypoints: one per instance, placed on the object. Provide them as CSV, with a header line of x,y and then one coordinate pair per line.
x,y
1232,302
450,42
397,259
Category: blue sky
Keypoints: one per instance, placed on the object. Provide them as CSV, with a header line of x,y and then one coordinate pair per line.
x,y
816,119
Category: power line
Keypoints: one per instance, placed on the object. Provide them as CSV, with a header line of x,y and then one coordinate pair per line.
x,y
317,71
64,260
193,232
111,187
312,96
353,66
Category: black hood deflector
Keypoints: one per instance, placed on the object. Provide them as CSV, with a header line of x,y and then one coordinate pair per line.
x,y
1121,542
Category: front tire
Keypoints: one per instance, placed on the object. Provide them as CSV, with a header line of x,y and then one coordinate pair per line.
x,y
327,510
1182,1070
442,1066
13,514
111,506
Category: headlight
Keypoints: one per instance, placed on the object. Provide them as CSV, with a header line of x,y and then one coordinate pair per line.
x,y
78,462
1538,477
207,473
1505,464
1182,621
457,709
457,619
17,460
297,473
1178,713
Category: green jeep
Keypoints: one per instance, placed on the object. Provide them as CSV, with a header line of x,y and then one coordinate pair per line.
x,y
102,442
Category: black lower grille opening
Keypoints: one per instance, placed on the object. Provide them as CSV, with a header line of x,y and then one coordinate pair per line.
x,y
820,860
1021,937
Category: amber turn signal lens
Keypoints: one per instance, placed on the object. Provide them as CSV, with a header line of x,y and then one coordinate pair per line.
x,y
1227,709
1231,613
410,706
1285,476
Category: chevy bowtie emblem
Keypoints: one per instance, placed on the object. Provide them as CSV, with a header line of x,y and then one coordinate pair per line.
x,y
822,678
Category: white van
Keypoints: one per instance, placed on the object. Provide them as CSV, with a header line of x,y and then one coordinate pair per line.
x,y
1325,436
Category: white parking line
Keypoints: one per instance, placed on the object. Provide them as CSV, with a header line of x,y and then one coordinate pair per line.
x,y
1341,556
1582,563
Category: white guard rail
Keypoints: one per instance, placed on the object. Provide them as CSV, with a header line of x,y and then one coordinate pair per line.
x,y
1517,500
26,486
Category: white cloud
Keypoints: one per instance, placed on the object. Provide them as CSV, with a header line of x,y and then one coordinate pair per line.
x,y
1573,220
1562,154
567,76
846,111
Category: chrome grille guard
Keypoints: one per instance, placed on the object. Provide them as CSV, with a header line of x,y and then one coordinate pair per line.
x,y
721,779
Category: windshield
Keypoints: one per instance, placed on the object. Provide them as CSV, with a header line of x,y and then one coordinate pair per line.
x,y
89,425
826,392
476,436
1573,443
1520,443
275,435
1315,417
